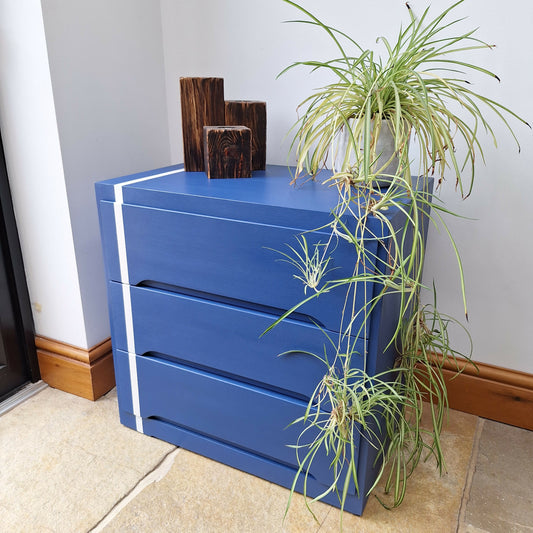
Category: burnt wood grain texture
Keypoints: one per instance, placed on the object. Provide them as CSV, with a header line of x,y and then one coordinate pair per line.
x,y
251,114
202,104
228,151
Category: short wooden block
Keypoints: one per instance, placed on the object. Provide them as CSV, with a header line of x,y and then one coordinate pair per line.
x,y
202,104
228,151
252,115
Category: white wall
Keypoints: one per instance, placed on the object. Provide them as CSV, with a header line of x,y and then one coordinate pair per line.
x,y
35,168
245,42
242,41
495,246
106,63
82,98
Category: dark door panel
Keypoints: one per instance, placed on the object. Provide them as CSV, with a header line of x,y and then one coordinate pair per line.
x,y
18,360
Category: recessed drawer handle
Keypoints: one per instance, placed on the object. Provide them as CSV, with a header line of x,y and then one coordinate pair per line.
x,y
194,431
242,304
217,372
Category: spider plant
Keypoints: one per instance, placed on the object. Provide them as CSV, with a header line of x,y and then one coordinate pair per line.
x,y
418,90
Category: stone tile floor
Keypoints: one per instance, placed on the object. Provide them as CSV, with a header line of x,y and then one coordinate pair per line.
x,y
68,466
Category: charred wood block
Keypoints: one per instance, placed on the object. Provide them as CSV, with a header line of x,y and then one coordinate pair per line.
x,y
253,116
202,104
228,151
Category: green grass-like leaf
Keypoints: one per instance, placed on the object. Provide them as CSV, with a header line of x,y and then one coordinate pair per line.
x,y
413,90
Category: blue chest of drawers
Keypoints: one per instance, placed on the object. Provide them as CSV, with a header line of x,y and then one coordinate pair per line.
x,y
194,279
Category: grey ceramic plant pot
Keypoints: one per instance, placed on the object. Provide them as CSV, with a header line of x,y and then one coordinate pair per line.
x,y
386,162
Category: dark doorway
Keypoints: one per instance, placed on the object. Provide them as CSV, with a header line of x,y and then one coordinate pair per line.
x,y
18,359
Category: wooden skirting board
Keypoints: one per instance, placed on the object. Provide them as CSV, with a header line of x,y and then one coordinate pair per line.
x,y
490,392
86,373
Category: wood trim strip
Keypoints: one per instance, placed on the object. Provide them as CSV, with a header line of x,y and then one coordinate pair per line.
x,y
85,373
489,391
73,352
490,399
486,371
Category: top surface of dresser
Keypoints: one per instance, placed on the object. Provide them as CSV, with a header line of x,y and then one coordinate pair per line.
x,y
267,197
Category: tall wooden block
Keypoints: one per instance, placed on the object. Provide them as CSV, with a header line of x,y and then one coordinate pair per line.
x,y
252,115
228,151
202,104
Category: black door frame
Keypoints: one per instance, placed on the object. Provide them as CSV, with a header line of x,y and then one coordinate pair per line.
x,y
16,275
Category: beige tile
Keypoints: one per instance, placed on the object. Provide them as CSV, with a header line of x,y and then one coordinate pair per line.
x,y
73,494
432,502
200,495
459,423
66,461
126,447
9,521
470,529
501,495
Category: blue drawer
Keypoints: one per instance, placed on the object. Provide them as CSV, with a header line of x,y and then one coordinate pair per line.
x,y
223,338
226,411
224,258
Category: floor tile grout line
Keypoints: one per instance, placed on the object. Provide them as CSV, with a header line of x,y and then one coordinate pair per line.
x,y
323,521
461,517
156,474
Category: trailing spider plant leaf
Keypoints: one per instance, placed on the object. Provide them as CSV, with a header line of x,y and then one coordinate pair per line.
x,y
413,89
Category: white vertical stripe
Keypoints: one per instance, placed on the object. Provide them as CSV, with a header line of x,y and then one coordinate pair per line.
x,y
121,240
126,290
128,318
135,399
